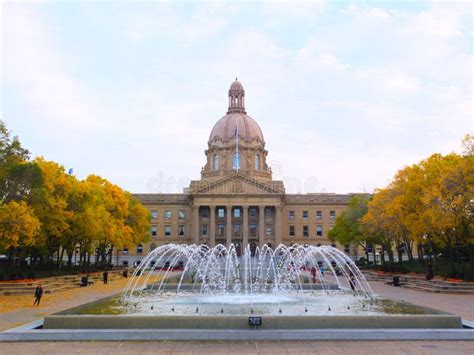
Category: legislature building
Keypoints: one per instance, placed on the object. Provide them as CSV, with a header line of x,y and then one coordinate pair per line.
x,y
236,199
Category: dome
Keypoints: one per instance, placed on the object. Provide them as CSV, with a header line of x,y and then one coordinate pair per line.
x,y
248,130
236,119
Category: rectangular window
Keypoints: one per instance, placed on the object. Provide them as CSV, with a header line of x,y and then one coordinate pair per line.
x,y
291,214
291,231
167,230
269,231
152,246
237,212
181,214
332,214
167,214
305,231
181,230
125,250
253,229
153,231
154,214
319,214
253,212
220,213
220,230
319,230
125,263
305,214
236,229
268,212
139,249
347,249
205,212
204,230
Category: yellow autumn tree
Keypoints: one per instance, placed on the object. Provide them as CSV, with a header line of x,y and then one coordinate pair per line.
x,y
18,227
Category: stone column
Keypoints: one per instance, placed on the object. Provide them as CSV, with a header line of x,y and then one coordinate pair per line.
x,y
245,222
212,226
261,225
195,226
228,225
278,238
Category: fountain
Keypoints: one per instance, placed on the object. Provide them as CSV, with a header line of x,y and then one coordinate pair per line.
x,y
197,291
178,278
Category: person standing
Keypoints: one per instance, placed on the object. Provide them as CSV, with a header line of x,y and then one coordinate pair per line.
x,y
105,277
38,295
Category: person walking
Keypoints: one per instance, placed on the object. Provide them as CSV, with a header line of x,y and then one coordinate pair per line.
x,y
105,277
38,295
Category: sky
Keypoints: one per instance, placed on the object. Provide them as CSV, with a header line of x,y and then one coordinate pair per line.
x,y
346,93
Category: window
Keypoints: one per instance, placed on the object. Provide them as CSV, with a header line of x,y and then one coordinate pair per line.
x,y
237,212
153,231
305,214
125,250
257,162
125,263
220,230
319,230
291,214
220,213
253,229
139,249
347,250
305,231
152,246
167,214
154,214
167,230
205,212
253,212
181,214
204,229
236,161
291,231
269,231
215,162
268,212
181,230
237,229
319,214
332,214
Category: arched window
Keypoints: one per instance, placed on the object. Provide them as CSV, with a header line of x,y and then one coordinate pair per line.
x,y
236,161
215,162
257,162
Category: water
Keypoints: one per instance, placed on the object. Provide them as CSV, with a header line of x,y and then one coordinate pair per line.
x,y
202,280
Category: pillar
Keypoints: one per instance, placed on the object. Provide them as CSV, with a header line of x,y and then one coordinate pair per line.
x,y
195,224
278,238
212,226
228,225
245,227
261,225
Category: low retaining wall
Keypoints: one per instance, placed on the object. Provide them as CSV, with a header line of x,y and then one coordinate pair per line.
x,y
442,321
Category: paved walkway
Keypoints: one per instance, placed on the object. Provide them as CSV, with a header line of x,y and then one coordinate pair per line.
x,y
17,310
244,347
462,305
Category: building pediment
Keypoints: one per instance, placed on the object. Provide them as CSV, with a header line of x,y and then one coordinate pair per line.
x,y
236,184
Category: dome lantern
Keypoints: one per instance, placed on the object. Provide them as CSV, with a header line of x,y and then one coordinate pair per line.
x,y
236,97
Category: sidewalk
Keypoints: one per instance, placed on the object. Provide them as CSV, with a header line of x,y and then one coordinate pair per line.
x,y
18,310
462,305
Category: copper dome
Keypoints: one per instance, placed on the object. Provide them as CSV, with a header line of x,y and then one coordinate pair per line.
x,y
248,130
236,119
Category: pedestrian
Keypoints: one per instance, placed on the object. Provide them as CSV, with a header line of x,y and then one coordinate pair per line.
x,y
105,276
429,274
38,295
313,274
352,282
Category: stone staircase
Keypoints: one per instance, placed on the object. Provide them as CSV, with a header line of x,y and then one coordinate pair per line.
x,y
418,282
52,284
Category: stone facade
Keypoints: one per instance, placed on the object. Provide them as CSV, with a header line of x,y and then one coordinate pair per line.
x,y
236,200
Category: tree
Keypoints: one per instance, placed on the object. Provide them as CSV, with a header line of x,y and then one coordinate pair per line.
x,y
348,228
18,227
